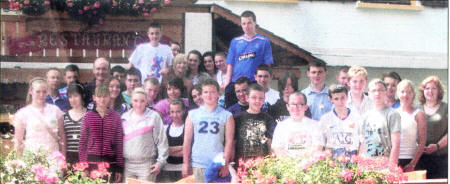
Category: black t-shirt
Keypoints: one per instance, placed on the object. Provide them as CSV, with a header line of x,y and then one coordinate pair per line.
x,y
252,132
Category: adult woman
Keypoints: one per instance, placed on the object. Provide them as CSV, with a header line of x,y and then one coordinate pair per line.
x,y
288,84
175,90
196,71
414,127
208,64
179,69
195,99
41,124
434,159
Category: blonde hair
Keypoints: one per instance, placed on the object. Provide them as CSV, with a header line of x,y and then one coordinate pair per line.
x,y
139,91
36,80
151,80
357,71
404,83
439,86
102,91
178,59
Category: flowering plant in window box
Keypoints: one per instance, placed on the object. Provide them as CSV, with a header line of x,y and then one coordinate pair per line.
x,y
320,168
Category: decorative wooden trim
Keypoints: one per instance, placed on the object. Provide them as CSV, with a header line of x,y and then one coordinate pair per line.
x,y
54,59
268,1
415,5
227,14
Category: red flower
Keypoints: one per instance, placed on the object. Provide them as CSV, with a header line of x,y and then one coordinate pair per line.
x,y
346,174
70,4
115,3
26,2
153,10
97,5
141,1
103,166
86,8
167,2
80,166
146,14
47,2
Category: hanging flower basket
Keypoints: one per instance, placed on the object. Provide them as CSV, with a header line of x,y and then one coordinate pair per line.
x,y
90,11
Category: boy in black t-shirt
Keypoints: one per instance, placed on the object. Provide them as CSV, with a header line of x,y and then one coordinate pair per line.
x,y
254,129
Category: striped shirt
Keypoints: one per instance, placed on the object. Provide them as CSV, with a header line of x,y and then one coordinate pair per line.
x,y
72,130
101,138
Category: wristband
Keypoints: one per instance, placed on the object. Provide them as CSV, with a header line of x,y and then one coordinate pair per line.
x,y
438,147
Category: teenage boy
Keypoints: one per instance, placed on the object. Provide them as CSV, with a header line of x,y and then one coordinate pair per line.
x,y
392,79
381,126
341,125
133,80
119,73
246,52
263,77
240,88
357,99
175,47
71,74
209,130
342,76
253,128
317,91
152,58
297,135
53,78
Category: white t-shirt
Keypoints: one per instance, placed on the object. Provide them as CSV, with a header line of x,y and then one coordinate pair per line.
x,y
272,96
220,77
150,60
341,133
297,138
408,135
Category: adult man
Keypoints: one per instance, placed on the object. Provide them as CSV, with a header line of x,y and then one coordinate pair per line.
x,y
152,58
240,88
391,79
101,72
53,78
317,92
342,77
263,77
246,53
297,135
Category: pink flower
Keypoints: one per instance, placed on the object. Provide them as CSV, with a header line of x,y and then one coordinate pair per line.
x,y
319,156
289,181
259,161
103,166
37,168
141,1
80,166
47,2
271,179
114,3
70,4
346,174
332,164
80,12
86,8
56,155
258,175
153,10
370,181
305,164
26,2
167,2
95,174
146,14
51,178
62,165
97,5
100,21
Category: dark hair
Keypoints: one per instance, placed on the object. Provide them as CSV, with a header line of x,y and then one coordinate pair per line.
x,y
223,54
75,87
242,80
119,99
248,13
178,83
134,71
282,82
255,87
264,67
299,93
154,25
197,87
211,82
72,68
318,63
344,69
201,68
206,54
180,103
118,69
337,88
393,75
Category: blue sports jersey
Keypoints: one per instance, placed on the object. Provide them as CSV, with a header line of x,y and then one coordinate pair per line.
x,y
209,134
247,54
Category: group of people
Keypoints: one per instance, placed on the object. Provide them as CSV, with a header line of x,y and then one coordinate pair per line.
x,y
169,114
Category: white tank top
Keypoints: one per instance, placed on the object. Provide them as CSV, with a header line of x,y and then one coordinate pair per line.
x,y
408,138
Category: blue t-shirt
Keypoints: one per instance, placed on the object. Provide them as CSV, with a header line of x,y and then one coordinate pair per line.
x,y
246,54
209,134
319,103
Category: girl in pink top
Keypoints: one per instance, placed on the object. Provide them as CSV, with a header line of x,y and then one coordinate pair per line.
x,y
39,126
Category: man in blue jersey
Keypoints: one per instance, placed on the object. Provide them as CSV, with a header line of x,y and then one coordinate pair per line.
x,y
209,130
246,52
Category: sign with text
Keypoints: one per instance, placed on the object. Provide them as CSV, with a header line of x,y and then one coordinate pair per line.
x,y
77,40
